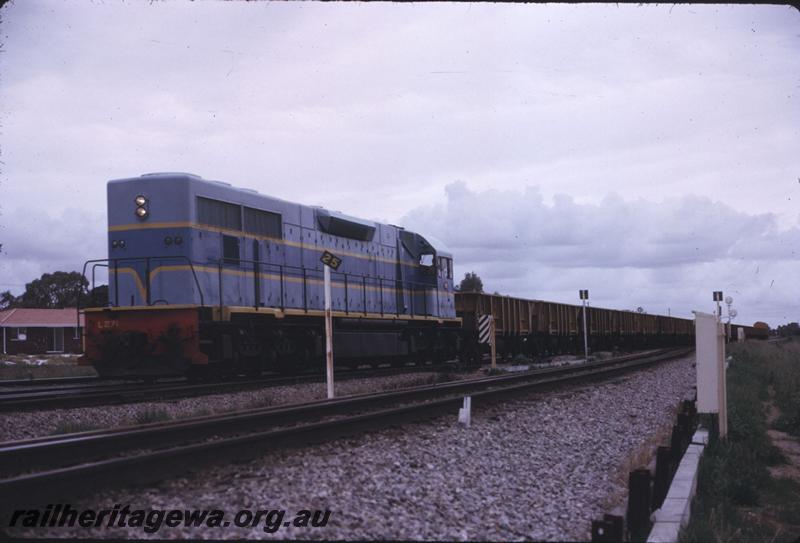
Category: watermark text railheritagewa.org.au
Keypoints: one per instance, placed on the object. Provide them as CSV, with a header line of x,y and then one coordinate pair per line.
x,y
153,520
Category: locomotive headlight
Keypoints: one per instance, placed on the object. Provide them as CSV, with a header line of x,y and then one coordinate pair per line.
x,y
114,244
141,212
178,240
140,200
122,244
167,240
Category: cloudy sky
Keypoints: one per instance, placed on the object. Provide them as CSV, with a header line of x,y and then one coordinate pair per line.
x,y
650,154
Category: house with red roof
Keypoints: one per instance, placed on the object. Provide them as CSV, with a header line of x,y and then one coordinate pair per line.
x,y
41,331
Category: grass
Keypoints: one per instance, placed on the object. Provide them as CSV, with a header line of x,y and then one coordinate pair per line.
x,y
41,367
784,375
737,498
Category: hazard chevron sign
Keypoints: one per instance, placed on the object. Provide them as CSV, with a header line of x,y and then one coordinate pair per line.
x,y
484,328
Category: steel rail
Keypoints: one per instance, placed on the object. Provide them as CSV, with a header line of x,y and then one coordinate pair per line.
x,y
249,433
37,390
117,393
49,381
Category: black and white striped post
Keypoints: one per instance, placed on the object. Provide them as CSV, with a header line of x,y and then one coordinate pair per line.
x,y
486,334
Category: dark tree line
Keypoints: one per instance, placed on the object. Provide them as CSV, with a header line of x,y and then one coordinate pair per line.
x,y
57,290
791,329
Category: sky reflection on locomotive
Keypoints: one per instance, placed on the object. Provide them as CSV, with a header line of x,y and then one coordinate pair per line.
x,y
645,153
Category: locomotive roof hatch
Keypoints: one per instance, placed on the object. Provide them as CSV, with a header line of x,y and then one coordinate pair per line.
x,y
171,174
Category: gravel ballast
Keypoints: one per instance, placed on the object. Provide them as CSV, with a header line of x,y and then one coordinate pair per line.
x,y
26,425
537,468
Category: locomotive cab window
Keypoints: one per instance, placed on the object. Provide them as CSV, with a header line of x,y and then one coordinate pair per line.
x,y
427,262
230,250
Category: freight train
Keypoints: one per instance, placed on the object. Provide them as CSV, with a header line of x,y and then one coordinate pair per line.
x,y
205,278
536,327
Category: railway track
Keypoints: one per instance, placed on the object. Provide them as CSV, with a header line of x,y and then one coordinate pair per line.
x,y
45,381
69,464
83,395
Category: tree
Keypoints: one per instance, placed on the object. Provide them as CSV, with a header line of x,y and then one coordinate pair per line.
x,y
7,300
471,283
54,290
97,297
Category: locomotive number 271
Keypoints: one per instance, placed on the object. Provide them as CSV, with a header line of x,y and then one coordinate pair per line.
x,y
329,259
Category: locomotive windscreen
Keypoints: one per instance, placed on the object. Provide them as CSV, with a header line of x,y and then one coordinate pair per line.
x,y
346,227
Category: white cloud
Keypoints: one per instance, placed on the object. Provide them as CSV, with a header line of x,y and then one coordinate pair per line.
x,y
628,252
36,241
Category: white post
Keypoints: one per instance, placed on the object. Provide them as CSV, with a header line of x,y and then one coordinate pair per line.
x,y
328,332
722,384
710,357
4,340
585,335
465,413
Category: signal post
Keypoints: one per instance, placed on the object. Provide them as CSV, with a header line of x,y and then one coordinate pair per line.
x,y
584,294
329,260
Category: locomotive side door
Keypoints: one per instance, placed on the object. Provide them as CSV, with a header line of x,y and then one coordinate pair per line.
x,y
399,291
231,281
274,260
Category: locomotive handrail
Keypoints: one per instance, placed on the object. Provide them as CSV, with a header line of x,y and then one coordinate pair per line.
x,y
146,259
283,269
306,273
78,297
94,267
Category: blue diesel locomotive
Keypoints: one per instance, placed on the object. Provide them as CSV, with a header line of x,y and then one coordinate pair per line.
x,y
207,277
